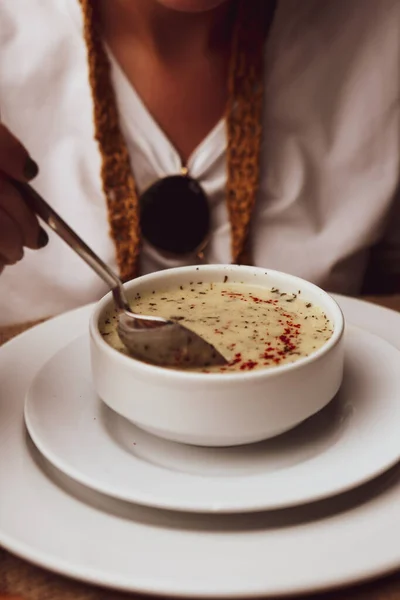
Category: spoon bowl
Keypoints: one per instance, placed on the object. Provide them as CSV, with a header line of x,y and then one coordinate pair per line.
x,y
166,343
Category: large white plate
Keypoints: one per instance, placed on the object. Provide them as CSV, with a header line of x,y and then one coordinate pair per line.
x,y
66,528
98,448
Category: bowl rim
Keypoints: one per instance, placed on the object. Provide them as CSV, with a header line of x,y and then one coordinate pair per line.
x,y
214,378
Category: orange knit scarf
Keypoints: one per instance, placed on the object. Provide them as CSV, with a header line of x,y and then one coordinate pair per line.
x,y
243,125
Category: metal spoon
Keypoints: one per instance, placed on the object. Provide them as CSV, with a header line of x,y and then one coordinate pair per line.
x,y
151,339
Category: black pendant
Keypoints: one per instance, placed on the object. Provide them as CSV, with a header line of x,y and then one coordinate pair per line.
x,y
174,215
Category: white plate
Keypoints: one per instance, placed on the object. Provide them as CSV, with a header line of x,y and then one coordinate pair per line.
x,y
90,443
77,532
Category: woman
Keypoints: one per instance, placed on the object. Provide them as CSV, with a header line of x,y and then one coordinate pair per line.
x,y
283,118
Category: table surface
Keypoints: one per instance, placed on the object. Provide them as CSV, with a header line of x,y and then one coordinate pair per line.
x,y
22,581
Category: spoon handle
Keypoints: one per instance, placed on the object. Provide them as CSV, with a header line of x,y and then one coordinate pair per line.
x,y
60,227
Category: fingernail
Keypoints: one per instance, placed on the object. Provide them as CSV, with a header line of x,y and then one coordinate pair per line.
x,y
30,169
43,238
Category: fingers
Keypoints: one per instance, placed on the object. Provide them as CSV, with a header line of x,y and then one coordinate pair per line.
x,y
11,240
19,227
2,265
13,205
14,158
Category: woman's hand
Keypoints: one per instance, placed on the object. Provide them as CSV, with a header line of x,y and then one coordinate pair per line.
x,y
19,227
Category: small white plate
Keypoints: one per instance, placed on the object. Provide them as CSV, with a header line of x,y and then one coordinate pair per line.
x,y
353,440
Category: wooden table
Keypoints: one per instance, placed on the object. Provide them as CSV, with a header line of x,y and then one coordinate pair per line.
x,y
22,581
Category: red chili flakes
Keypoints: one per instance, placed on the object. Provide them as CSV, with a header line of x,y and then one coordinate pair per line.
x,y
236,360
289,346
248,366
267,356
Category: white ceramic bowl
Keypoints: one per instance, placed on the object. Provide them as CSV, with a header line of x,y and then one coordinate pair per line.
x,y
221,409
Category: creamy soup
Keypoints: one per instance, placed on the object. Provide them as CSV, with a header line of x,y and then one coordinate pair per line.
x,y
253,327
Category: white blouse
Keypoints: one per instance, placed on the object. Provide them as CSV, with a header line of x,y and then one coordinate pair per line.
x,y
330,160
